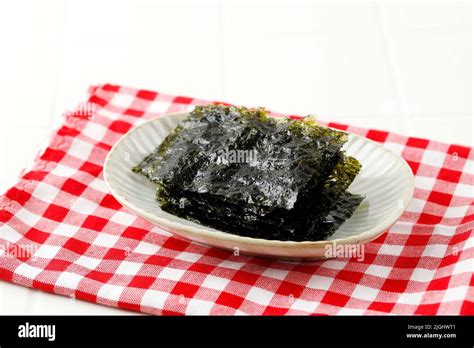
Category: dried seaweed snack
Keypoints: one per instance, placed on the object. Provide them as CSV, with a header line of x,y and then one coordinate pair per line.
x,y
315,219
292,156
313,212
286,192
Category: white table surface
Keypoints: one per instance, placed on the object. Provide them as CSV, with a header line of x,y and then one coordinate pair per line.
x,y
399,66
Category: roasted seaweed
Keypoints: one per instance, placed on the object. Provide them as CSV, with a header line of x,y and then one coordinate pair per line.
x,y
293,188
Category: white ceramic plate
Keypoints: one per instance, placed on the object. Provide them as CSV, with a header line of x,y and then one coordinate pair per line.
x,y
385,180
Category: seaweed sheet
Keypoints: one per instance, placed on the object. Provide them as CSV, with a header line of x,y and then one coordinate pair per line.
x,y
294,188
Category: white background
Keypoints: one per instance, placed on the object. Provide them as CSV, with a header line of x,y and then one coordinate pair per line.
x,y
399,66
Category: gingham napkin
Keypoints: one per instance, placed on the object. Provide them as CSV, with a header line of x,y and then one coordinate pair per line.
x,y
62,232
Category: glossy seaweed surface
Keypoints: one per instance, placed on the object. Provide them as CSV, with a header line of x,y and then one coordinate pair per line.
x,y
240,171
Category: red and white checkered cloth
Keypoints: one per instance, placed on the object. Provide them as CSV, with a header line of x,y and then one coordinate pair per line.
x,y
81,242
